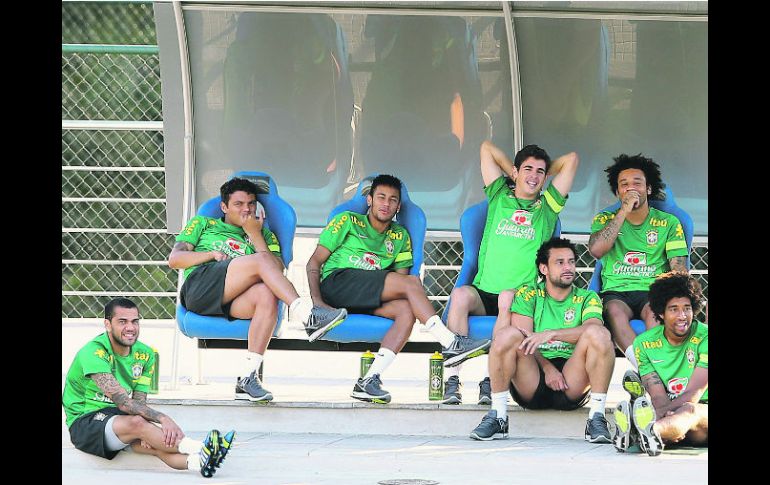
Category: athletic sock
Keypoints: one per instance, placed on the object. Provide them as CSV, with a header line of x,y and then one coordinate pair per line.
x,y
452,371
437,328
189,446
631,357
299,310
500,404
194,462
252,363
597,403
381,362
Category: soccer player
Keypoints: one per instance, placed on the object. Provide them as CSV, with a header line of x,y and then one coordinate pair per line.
x,y
105,394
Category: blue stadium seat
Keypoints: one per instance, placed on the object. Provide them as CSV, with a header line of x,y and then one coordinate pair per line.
x,y
279,218
472,229
371,328
668,205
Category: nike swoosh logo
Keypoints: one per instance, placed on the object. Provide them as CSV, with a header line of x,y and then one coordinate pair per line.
x,y
656,361
362,236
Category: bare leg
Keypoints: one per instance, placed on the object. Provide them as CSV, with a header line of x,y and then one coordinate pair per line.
x,y
408,287
131,428
246,271
504,301
403,320
260,306
690,422
591,364
618,315
649,317
507,364
465,301
174,460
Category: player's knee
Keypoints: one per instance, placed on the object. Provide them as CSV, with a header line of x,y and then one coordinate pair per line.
x,y
598,336
135,425
505,340
403,312
263,295
463,297
413,284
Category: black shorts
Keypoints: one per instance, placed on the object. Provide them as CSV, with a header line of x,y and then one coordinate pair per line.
x,y
489,300
87,432
357,290
547,398
204,288
634,299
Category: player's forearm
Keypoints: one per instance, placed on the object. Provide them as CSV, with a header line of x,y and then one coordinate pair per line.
x,y
313,270
186,259
678,263
602,240
257,240
140,408
544,363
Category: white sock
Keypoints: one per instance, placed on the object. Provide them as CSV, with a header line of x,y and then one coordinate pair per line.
x,y
381,362
189,446
437,328
193,462
597,402
631,357
500,404
252,363
452,371
299,310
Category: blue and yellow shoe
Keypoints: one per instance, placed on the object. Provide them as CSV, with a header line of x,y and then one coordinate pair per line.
x,y
209,453
644,420
225,443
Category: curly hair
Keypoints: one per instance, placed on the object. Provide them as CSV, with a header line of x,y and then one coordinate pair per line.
x,y
647,165
545,250
234,185
674,284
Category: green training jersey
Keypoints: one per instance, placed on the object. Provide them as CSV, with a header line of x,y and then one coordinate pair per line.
x,y
640,253
354,243
673,363
133,372
209,234
531,300
514,231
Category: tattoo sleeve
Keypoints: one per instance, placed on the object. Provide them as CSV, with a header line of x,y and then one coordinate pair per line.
x,y
678,263
139,396
137,406
183,246
607,234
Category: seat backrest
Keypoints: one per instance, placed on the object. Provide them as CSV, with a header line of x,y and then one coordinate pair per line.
x,y
280,217
667,205
472,230
411,216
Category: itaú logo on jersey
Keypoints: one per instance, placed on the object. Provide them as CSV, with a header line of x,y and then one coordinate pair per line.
x,y
522,218
676,386
635,258
367,261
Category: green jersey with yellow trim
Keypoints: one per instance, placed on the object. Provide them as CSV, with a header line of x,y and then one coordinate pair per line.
x,y
547,313
673,363
514,231
209,234
354,243
640,253
133,372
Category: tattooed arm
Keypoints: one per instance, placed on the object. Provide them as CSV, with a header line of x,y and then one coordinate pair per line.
x,y
658,393
182,256
678,263
111,388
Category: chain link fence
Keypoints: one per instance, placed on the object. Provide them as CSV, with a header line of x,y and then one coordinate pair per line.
x,y
114,239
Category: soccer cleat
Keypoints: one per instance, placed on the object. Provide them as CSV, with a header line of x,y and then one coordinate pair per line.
x,y
632,383
485,391
250,387
370,390
209,453
597,430
225,443
463,348
622,438
452,391
322,320
491,428
644,421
